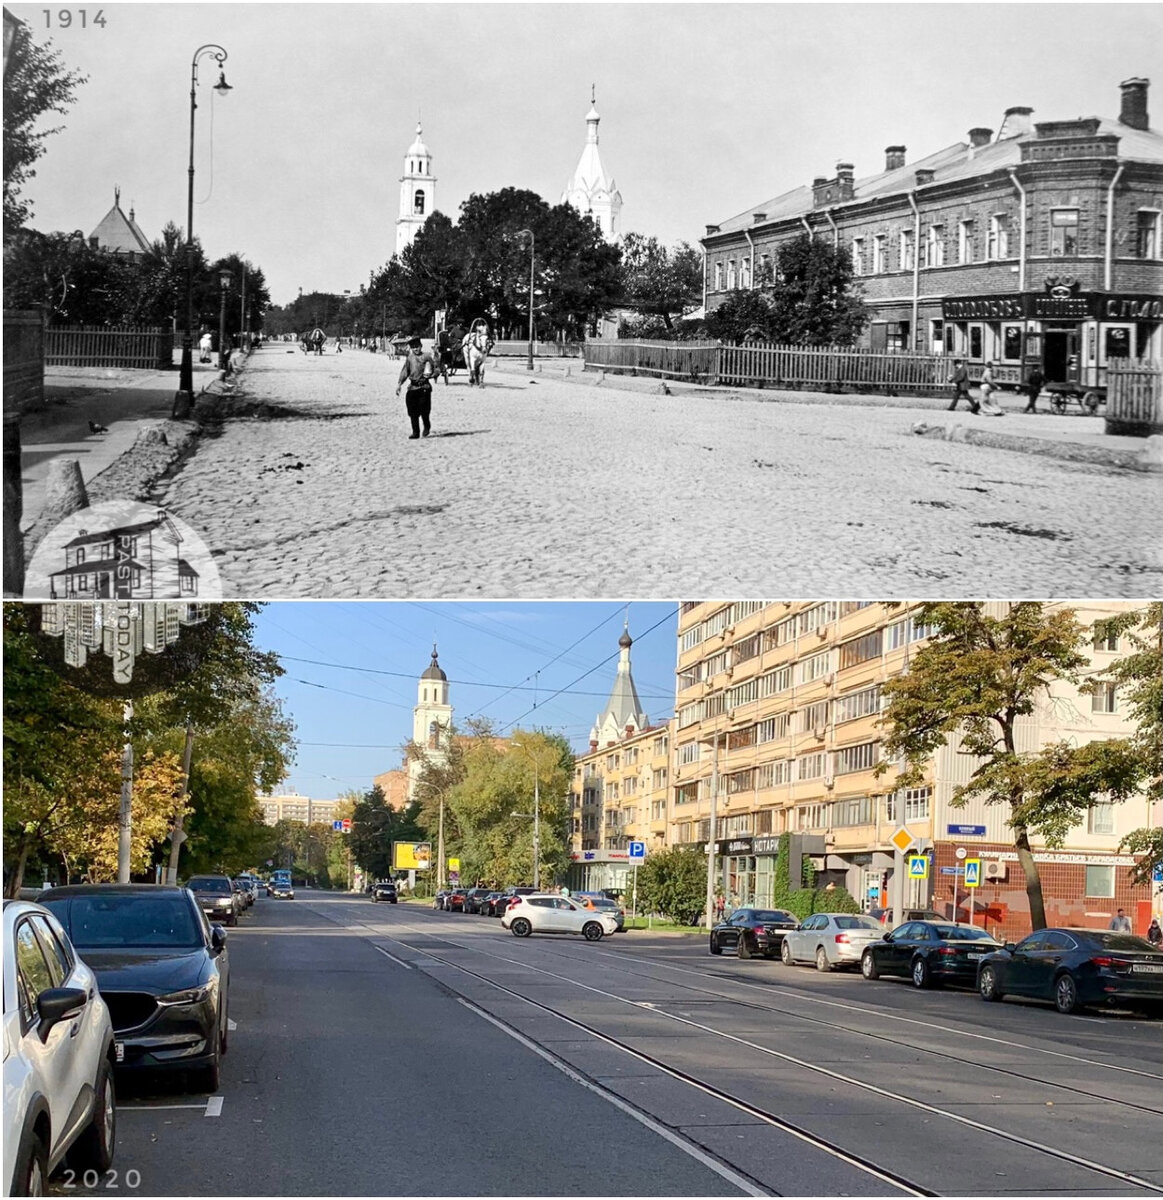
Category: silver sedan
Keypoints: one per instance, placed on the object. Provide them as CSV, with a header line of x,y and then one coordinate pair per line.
x,y
830,940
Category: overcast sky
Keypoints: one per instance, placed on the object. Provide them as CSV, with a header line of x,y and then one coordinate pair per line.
x,y
707,110
352,672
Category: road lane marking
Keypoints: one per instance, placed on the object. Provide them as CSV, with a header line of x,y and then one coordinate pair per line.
x,y
155,1107
231,1024
214,1106
398,961
744,1185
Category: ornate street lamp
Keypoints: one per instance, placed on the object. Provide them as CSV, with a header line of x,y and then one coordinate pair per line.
x,y
184,399
531,244
224,280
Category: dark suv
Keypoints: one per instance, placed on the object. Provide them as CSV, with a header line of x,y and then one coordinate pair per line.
x,y
385,891
475,898
217,896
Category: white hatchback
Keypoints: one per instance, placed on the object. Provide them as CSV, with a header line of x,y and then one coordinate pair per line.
x,y
58,1057
557,914
830,940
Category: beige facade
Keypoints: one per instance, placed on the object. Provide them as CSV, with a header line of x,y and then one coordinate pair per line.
x,y
293,807
779,703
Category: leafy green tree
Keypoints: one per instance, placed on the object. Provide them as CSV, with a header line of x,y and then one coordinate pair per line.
x,y
805,898
35,83
673,882
658,281
75,283
814,298
743,313
973,681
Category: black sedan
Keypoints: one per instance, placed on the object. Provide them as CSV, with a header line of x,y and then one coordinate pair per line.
x,y
385,891
162,969
929,952
750,931
1076,967
475,897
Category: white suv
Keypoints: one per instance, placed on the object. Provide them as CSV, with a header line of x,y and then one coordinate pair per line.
x,y
58,1055
557,914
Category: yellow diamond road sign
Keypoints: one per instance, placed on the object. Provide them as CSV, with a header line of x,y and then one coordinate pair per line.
x,y
902,839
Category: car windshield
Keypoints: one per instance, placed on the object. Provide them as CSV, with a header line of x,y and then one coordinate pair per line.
x,y
962,933
773,914
209,883
113,919
855,922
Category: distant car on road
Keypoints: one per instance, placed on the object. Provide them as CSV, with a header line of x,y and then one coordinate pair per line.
x,y
929,952
749,931
162,968
385,891
281,887
557,914
884,915
493,905
59,1094
474,897
242,886
830,940
1076,968
454,901
218,897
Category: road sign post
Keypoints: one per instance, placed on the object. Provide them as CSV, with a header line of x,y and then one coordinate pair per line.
x,y
902,841
637,854
972,882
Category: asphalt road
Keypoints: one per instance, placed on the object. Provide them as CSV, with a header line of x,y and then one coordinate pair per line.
x,y
391,1049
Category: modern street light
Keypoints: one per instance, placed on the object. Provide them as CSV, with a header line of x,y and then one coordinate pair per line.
x,y
224,279
184,400
531,245
535,815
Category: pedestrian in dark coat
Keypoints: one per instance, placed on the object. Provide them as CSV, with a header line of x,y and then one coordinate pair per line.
x,y
960,381
1034,382
417,371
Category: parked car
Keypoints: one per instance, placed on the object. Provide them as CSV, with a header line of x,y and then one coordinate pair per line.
x,y
244,892
830,940
884,915
929,952
59,1052
385,891
218,897
474,897
439,899
556,914
493,904
162,968
749,931
1076,968
454,901
599,901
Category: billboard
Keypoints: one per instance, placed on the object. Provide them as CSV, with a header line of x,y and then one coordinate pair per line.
x,y
411,856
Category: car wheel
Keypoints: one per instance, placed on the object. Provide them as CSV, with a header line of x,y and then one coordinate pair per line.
x,y
785,954
868,967
521,927
1066,994
592,931
715,947
223,1033
93,1150
210,1077
988,987
31,1178
232,919
822,963
742,949
922,976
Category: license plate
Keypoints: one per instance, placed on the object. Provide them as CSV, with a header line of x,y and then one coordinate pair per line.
x,y
1147,968
975,956
119,1051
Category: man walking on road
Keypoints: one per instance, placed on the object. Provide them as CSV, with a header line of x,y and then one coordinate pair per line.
x,y
1120,921
960,381
417,370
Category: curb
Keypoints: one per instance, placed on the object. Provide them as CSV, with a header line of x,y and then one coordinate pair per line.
x,y
1149,459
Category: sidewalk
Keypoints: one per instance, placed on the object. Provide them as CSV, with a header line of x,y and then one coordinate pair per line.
x,y
1072,436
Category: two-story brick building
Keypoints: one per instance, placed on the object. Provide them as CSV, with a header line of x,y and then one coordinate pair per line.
x,y
1042,244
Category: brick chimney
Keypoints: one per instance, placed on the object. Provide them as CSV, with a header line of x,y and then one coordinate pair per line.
x,y
1134,112
980,137
845,181
1016,123
924,176
712,229
894,156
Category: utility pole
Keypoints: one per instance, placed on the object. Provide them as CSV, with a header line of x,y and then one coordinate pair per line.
x,y
440,846
536,826
178,836
710,914
125,816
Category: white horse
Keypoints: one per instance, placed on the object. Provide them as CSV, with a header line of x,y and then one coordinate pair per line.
x,y
476,346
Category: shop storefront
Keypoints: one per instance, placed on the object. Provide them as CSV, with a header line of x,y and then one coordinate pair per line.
x,y
747,870
1072,335
599,871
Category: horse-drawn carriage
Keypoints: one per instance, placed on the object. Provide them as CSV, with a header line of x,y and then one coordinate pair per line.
x,y
313,342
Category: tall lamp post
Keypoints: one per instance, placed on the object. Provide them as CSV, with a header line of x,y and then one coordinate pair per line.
x,y
224,278
531,245
184,400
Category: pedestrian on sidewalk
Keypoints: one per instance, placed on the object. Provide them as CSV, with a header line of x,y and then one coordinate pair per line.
x,y
1154,933
205,347
988,387
960,381
1034,382
417,371
1120,922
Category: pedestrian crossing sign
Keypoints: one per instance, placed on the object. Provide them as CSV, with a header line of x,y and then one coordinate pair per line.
x,y
918,866
972,872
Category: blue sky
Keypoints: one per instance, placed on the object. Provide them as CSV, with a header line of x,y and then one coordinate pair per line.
x,y
504,660
707,109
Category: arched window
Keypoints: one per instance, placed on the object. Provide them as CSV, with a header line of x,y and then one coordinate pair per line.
x,y
418,203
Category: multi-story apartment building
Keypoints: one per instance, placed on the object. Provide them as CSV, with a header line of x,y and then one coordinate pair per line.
x,y
778,710
293,807
1040,245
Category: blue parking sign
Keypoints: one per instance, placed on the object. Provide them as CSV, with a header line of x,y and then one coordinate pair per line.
x,y
637,850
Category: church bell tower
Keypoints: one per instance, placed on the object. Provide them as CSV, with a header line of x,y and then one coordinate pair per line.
x,y
417,192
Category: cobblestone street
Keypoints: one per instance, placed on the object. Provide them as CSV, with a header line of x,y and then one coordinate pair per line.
x,y
541,486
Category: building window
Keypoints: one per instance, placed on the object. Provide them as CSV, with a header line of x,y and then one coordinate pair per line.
x,y
812,816
772,728
731,277
879,265
998,245
1101,818
916,805
775,681
907,247
817,617
860,649
814,667
418,203
856,758
745,273
965,241
1011,339
1103,699
857,704
718,277
811,766
815,716
1063,232
764,274
935,246
1105,638
857,811
1100,881
858,256
1147,240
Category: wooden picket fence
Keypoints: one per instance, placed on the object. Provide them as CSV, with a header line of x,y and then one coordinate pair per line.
x,y
104,346
769,365
1134,397
510,348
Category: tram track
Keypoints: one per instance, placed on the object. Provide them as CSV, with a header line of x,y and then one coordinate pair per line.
x,y
758,1111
